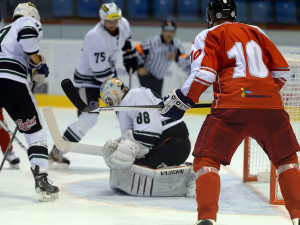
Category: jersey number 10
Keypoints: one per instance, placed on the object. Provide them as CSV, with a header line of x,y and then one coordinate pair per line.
x,y
256,66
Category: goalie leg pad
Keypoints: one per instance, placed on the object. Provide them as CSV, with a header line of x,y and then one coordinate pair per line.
x,y
144,181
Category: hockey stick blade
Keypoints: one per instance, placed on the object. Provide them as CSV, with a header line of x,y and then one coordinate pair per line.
x,y
74,97
64,145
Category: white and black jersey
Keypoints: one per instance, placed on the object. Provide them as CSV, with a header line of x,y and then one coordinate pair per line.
x,y
147,125
153,54
99,54
18,41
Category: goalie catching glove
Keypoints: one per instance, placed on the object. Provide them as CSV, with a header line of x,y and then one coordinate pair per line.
x,y
175,105
38,72
123,154
130,61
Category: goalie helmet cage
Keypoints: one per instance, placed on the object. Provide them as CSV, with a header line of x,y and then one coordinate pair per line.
x,y
257,166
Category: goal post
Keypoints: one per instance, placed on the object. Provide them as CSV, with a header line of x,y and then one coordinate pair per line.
x,y
257,166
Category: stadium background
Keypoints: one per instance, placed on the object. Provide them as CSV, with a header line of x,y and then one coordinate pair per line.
x,y
65,23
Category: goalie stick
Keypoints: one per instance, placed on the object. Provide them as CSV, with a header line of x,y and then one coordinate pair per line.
x,y
74,97
64,145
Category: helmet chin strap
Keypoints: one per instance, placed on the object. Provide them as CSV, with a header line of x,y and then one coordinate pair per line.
x,y
210,22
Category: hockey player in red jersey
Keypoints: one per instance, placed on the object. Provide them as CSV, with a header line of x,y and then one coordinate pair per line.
x,y
247,72
4,142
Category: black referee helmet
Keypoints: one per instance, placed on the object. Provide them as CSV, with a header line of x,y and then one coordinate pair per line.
x,y
169,25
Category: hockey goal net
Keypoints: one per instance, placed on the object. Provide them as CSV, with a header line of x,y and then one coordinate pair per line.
x,y
257,166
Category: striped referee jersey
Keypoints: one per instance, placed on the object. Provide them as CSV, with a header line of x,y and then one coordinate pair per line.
x,y
153,54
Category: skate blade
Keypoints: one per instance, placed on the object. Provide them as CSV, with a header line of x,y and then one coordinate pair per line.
x,y
44,197
57,166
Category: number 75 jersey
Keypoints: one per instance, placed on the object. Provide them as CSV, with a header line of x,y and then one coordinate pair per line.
x,y
244,66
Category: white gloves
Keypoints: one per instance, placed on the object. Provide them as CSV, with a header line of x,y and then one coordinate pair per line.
x,y
123,154
39,72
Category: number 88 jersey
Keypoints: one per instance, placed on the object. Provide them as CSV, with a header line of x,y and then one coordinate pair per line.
x,y
244,66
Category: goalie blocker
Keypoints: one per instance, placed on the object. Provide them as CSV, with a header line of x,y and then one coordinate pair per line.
x,y
162,182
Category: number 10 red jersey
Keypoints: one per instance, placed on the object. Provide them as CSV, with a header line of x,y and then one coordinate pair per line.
x,y
244,66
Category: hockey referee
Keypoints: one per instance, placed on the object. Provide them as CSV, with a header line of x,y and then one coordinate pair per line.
x,y
156,54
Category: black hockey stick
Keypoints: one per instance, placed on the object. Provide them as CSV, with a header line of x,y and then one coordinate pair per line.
x,y
74,97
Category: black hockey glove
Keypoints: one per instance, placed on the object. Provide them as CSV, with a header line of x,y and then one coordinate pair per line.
x,y
175,105
130,61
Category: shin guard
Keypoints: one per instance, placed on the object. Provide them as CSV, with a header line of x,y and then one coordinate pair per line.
x,y
289,182
208,187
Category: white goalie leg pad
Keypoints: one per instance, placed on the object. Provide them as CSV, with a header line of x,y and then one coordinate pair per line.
x,y
144,181
288,166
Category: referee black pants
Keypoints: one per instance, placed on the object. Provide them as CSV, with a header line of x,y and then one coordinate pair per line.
x,y
151,82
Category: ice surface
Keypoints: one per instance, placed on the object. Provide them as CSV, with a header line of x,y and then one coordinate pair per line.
x,y
86,198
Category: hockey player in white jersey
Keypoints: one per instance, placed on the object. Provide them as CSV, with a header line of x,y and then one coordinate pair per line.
x,y
147,160
19,59
96,62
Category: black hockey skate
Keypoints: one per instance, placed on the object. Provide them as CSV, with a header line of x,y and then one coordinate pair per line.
x,y
56,156
13,160
205,222
47,192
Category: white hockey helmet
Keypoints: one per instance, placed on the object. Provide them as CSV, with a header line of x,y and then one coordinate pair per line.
x,y
110,11
27,9
112,91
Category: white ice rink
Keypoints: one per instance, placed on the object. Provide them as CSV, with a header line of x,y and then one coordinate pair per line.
x,y
86,199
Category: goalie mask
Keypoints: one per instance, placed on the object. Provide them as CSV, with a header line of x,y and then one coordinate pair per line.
x,y
110,11
220,9
27,9
112,91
